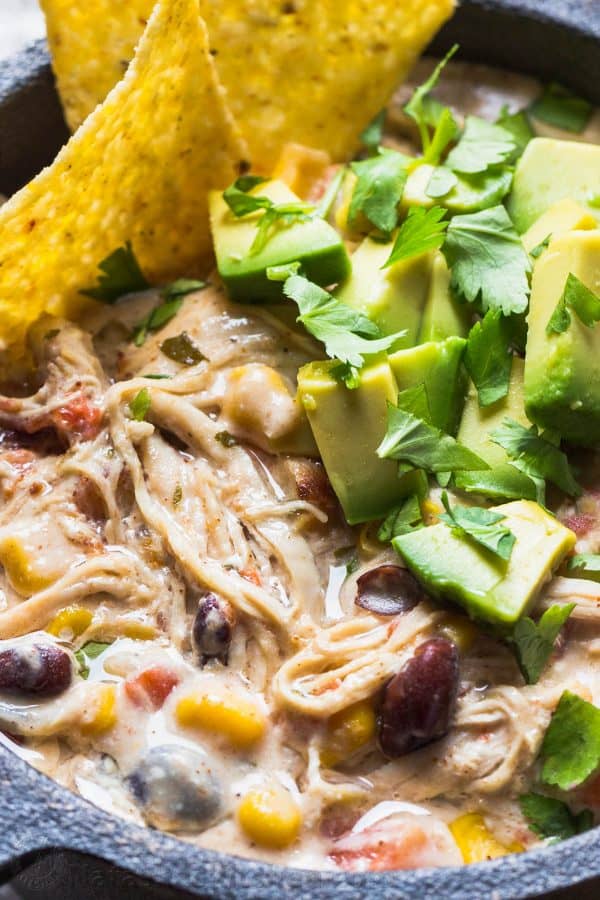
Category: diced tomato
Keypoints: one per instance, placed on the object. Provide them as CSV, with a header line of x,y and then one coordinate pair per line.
x,y
149,689
251,574
78,417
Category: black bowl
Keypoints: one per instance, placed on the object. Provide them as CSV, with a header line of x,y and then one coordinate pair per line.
x,y
75,850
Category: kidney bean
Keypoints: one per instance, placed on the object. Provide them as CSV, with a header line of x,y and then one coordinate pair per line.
x,y
42,670
212,630
418,702
388,591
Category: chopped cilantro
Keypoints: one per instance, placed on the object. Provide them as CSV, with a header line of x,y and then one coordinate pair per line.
x,y
571,748
156,377
226,439
421,231
519,126
173,295
481,146
539,248
181,287
488,359
535,455
120,275
552,819
585,563
241,203
578,297
182,349
140,404
401,520
480,524
534,641
559,107
417,107
346,374
440,184
91,650
177,495
380,182
328,198
371,136
488,261
446,130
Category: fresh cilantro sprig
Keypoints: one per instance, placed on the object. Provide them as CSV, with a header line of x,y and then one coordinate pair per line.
x,y
488,261
558,106
535,455
585,564
380,182
552,819
480,524
328,199
91,650
173,296
534,641
519,126
488,359
140,404
539,248
578,297
570,750
401,520
241,203
481,146
120,275
422,230
418,108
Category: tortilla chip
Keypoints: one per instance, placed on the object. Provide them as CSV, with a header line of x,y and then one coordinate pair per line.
x,y
305,71
138,170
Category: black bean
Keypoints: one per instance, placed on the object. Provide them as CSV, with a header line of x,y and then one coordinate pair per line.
x,y
418,702
212,630
388,591
41,670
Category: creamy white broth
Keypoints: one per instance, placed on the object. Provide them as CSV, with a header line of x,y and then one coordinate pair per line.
x,y
262,531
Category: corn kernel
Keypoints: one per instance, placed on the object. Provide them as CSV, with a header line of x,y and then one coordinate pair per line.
x,y
460,631
102,716
238,720
21,574
138,631
301,167
368,541
72,620
270,817
347,731
430,512
476,842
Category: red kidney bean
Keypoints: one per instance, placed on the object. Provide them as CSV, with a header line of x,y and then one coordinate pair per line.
x,y
388,591
42,670
418,702
213,626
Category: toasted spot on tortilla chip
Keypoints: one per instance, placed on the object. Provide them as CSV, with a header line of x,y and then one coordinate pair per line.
x,y
314,73
138,170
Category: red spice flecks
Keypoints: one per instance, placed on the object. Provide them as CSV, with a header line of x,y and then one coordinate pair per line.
x,y
150,688
78,417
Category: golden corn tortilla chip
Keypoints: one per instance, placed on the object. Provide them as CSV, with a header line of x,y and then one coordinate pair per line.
x,y
138,170
310,71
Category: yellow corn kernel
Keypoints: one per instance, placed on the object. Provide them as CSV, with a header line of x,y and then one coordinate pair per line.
x,y
138,631
460,631
21,574
270,817
347,731
234,717
301,167
102,715
71,621
368,541
476,842
430,511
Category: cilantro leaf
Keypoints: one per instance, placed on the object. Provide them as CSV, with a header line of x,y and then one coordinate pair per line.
x,y
440,184
480,524
469,193
182,349
488,359
421,231
481,146
535,455
534,642
285,214
539,248
226,439
348,335
571,747
181,287
578,297
121,274
410,439
502,481
328,199
552,819
371,136
417,109
140,404
401,520
446,130
585,564
91,650
488,261
519,126
239,201
378,189
560,107
415,400
173,295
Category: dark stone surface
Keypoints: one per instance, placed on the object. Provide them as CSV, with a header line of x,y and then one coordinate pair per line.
x,y
38,819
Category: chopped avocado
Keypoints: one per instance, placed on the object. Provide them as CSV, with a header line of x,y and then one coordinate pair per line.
x,y
348,426
562,371
476,424
456,568
393,297
551,170
562,217
443,315
312,242
439,367
469,194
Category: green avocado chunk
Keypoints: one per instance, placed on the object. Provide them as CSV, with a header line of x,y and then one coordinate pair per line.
x,y
551,170
437,365
392,297
348,426
313,243
562,371
456,568
443,315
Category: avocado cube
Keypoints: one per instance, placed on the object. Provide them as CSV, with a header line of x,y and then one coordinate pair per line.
x,y
456,568
348,426
443,315
562,217
313,243
562,371
437,365
551,170
393,297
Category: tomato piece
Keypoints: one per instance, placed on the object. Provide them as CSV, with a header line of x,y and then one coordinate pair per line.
x,y
149,689
79,417
251,574
580,523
